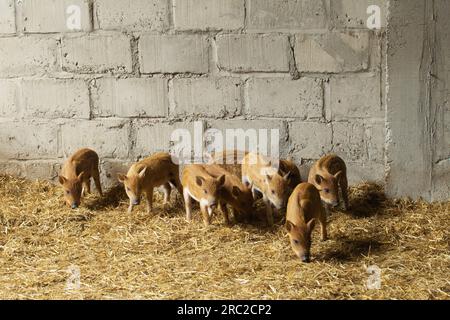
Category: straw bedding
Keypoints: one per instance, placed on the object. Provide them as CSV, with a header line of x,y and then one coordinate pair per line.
x,y
161,256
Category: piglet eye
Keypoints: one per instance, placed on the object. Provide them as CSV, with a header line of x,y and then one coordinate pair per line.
x,y
205,191
128,189
295,241
327,190
273,191
67,192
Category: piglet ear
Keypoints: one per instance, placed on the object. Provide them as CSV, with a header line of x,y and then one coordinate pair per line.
x,y
287,176
62,179
289,226
81,175
310,225
318,178
142,172
121,178
221,180
338,174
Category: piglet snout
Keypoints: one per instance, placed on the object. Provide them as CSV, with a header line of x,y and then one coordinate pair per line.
x,y
305,258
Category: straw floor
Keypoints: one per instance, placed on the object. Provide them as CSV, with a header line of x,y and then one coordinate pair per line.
x,y
161,256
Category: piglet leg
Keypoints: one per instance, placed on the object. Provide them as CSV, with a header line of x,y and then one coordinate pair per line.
x,y
206,214
269,211
187,204
130,207
166,190
149,194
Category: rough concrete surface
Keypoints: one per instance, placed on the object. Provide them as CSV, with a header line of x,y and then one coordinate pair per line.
x,y
136,70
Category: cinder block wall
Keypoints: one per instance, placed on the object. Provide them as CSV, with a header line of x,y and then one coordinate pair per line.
x,y
138,69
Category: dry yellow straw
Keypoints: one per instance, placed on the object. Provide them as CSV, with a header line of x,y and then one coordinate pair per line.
x,y
141,256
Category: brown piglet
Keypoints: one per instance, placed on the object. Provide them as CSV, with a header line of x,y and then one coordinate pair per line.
x,y
147,174
233,193
258,173
75,176
231,160
303,210
327,175
288,166
204,188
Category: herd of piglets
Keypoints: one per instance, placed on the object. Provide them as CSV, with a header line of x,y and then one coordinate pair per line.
x,y
213,186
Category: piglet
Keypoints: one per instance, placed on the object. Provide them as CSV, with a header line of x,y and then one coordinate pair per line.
x,y
75,176
143,176
233,193
288,166
303,210
204,188
258,173
327,175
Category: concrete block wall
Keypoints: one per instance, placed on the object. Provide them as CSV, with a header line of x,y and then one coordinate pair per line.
x,y
418,113
136,70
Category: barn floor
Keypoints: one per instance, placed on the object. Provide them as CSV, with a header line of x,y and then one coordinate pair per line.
x,y
161,256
